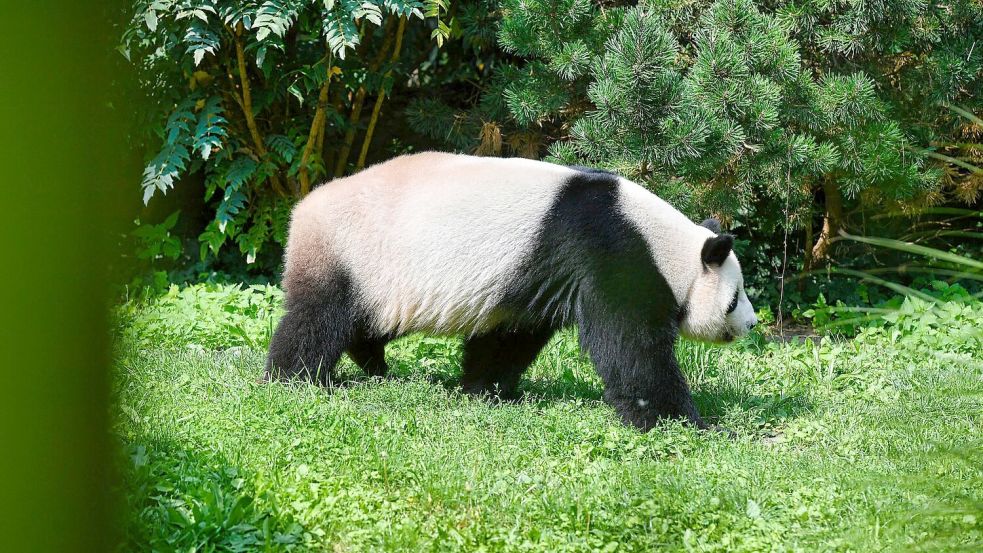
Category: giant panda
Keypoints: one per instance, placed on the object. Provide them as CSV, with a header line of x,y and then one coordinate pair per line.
x,y
505,252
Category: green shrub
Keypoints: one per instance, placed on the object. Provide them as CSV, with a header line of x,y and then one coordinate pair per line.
x,y
262,100
952,326
805,115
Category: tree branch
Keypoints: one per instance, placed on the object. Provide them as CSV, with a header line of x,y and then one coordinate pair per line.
x,y
359,100
317,130
949,159
247,109
382,95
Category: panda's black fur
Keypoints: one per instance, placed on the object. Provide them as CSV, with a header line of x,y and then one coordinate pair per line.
x,y
624,309
590,267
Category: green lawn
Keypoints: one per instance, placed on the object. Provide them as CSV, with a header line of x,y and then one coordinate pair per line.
x,y
862,445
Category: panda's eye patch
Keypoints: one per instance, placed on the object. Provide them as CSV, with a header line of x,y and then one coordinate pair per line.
x,y
733,302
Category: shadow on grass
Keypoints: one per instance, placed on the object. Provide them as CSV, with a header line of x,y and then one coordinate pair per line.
x,y
176,499
562,373
714,399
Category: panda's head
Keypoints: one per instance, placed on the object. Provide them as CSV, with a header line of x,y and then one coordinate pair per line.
x,y
717,309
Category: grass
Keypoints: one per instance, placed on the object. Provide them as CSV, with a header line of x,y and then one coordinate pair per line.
x,y
863,445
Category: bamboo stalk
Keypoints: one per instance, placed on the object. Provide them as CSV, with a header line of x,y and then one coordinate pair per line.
x,y
247,109
382,95
357,104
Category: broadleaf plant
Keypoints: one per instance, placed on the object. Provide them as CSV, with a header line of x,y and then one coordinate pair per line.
x,y
262,99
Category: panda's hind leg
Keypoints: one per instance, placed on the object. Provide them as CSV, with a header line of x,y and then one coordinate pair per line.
x,y
312,335
493,362
369,353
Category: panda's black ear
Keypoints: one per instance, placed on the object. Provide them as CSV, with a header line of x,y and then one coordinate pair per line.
x,y
711,224
716,249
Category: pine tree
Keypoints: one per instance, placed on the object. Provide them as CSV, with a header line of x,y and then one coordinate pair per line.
x,y
748,110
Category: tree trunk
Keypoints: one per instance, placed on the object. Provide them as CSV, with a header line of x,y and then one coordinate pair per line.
x,y
247,109
346,145
807,262
329,150
832,221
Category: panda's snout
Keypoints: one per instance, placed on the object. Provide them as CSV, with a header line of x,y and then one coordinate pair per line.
x,y
752,323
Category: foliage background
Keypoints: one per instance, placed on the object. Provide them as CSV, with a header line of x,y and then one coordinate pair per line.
x,y
791,121
255,102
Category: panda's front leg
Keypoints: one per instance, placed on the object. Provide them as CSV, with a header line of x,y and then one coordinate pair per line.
x,y
642,379
644,406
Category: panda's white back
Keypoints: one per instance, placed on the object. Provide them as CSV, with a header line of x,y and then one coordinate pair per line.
x,y
432,240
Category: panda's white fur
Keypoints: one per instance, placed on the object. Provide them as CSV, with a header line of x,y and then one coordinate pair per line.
x,y
431,239
445,243
675,243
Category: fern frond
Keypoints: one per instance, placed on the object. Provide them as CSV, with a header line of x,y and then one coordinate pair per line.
x,y
200,40
167,165
339,30
282,146
209,131
275,17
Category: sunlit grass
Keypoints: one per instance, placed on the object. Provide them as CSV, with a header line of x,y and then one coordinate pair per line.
x,y
839,448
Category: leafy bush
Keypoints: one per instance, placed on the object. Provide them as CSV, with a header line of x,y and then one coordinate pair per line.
x,y
157,241
950,326
264,98
950,323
